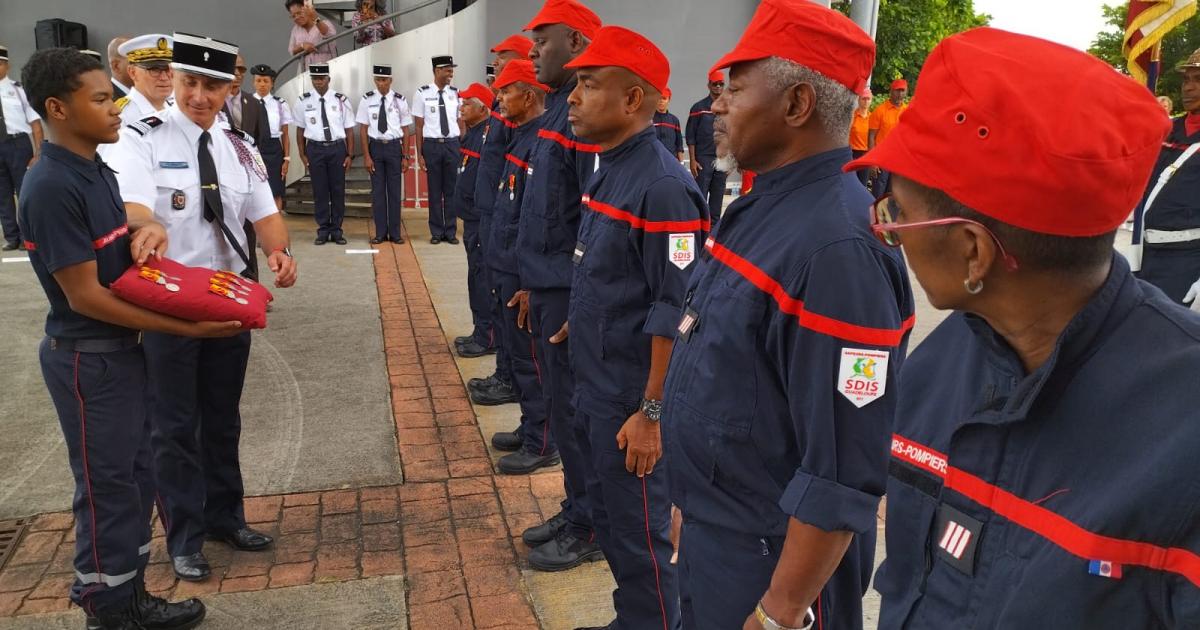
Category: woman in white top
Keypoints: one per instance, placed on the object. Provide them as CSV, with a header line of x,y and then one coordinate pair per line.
x,y
276,153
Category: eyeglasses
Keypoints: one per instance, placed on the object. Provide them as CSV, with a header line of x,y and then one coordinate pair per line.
x,y
158,72
884,226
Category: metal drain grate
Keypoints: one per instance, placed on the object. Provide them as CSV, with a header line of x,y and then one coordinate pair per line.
x,y
10,534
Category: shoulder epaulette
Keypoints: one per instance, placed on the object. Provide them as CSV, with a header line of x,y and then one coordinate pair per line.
x,y
146,125
238,134
306,95
339,96
121,102
17,83
452,88
424,87
369,94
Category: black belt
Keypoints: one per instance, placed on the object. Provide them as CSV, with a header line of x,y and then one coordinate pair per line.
x,y
96,346
441,140
381,141
14,136
326,143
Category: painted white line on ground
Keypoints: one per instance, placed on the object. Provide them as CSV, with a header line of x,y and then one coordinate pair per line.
x,y
362,251
13,260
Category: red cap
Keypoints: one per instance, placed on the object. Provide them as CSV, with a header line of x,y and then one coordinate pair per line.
x,y
808,34
518,71
899,84
515,43
980,131
716,75
568,12
866,91
620,47
479,91
667,93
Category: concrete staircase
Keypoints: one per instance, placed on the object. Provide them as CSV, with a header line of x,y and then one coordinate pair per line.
x,y
358,193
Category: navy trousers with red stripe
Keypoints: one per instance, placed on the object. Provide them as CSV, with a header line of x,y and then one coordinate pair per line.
x,y
548,308
527,379
724,573
478,293
100,400
632,519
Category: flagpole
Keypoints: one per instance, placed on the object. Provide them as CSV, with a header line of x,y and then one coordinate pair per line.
x,y
1155,66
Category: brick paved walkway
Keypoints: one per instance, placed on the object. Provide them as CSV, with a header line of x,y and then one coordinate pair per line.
x,y
452,528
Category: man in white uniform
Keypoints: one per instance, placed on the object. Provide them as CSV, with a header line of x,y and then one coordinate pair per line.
x,y
149,59
383,117
18,122
324,120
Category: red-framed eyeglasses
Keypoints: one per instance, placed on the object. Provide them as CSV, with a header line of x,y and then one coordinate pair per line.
x,y
884,226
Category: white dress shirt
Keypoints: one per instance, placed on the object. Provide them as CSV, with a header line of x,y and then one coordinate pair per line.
x,y
138,107
277,112
397,112
18,115
307,115
157,167
425,105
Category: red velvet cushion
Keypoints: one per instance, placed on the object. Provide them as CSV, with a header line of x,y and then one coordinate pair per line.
x,y
194,301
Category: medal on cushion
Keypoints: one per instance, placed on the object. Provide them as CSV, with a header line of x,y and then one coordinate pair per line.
x,y
237,288
234,277
158,277
223,292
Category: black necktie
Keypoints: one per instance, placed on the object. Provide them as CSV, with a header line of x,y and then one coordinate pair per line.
x,y
383,114
3,125
442,115
325,121
209,188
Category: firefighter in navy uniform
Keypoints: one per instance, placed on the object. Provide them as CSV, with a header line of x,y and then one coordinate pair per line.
x,y
477,119
781,389
80,240
204,181
496,389
1041,475
522,101
324,124
667,128
702,148
383,118
436,109
643,221
563,164
1168,228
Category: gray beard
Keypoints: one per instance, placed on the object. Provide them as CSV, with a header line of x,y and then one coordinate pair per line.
x,y
726,163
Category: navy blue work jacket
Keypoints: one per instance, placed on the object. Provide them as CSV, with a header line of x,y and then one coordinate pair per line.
x,y
666,127
468,171
700,129
1177,206
643,223
506,209
1064,498
491,163
550,216
781,388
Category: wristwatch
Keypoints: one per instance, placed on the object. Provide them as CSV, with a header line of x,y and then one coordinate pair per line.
x,y
652,409
287,251
770,624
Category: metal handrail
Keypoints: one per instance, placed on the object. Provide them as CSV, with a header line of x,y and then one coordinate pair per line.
x,y
337,36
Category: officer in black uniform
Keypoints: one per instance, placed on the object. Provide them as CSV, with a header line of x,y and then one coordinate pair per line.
x,y
79,240
1168,228
437,147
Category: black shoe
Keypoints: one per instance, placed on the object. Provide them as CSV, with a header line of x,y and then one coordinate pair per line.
x,y
472,349
539,535
507,441
483,383
320,240
435,240
11,245
608,627
377,240
193,568
340,240
564,552
399,240
497,394
155,613
120,619
245,539
458,341
452,240
523,462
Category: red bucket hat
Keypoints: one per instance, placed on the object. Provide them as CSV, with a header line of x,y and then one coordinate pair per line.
x,y
620,47
479,91
980,130
568,12
515,43
808,34
716,75
519,71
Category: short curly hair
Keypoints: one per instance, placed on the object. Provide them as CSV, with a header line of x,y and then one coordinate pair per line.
x,y
54,73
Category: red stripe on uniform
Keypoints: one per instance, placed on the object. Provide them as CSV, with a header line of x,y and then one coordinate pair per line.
x,y
516,160
87,470
699,113
808,319
468,152
567,142
507,123
694,225
107,239
1049,525
30,246
666,124
653,558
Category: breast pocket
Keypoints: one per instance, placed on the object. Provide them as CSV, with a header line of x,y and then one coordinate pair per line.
x,y
604,258
178,195
236,189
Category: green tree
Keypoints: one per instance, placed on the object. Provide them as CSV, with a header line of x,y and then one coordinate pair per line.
x,y
909,29
1176,47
